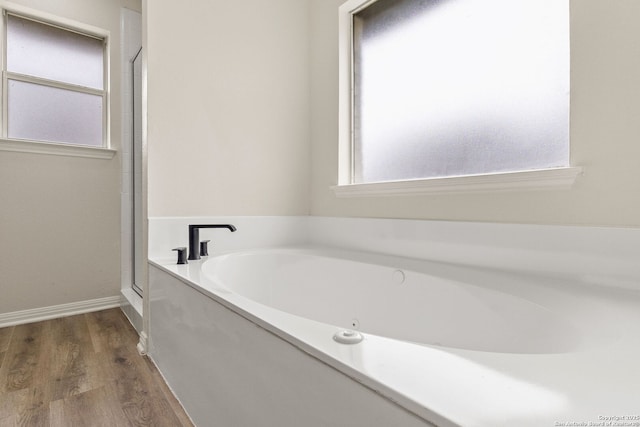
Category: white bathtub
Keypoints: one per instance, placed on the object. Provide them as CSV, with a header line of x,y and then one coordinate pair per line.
x,y
449,344
419,302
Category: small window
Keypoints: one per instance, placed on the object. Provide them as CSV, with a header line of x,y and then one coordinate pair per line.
x,y
54,84
445,88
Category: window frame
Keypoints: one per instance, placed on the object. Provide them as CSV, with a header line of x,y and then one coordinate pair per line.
x,y
561,178
47,147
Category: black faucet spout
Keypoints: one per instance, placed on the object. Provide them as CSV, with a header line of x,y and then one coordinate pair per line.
x,y
194,237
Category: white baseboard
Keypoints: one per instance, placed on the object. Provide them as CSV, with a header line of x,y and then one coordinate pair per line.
x,y
55,311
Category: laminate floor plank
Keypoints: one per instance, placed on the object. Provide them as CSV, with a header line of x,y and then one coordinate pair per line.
x,y
94,408
74,366
12,402
171,399
23,356
56,413
82,371
34,409
27,407
109,329
8,422
5,337
143,404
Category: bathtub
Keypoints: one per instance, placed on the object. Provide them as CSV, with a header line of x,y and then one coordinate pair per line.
x,y
393,298
354,338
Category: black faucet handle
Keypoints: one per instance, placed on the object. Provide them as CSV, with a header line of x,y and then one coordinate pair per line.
x,y
182,254
204,249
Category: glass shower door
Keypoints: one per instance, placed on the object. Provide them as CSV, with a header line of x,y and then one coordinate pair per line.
x,y
138,259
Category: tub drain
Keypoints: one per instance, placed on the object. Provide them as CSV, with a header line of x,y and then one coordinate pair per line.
x,y
348,337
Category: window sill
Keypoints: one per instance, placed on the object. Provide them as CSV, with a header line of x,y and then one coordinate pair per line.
x,y
56,149
546,179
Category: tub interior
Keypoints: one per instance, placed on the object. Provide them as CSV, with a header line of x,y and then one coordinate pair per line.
x,y
393,301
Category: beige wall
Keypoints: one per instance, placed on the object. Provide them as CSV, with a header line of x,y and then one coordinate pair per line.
x,y
605,131
243,94
60,216
228,108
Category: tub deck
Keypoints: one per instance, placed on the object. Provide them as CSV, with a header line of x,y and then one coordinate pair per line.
x,y
588,380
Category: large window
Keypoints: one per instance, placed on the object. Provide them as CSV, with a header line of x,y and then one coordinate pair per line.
x,y
54,83
449,88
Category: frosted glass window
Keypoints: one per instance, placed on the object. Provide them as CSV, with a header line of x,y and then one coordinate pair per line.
x,y
52,53
55,80
44,113
459,87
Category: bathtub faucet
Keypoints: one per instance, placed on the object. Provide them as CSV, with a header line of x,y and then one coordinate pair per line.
x,y
194,237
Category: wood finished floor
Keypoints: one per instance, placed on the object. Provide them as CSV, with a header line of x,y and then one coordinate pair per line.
x,y
81,371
